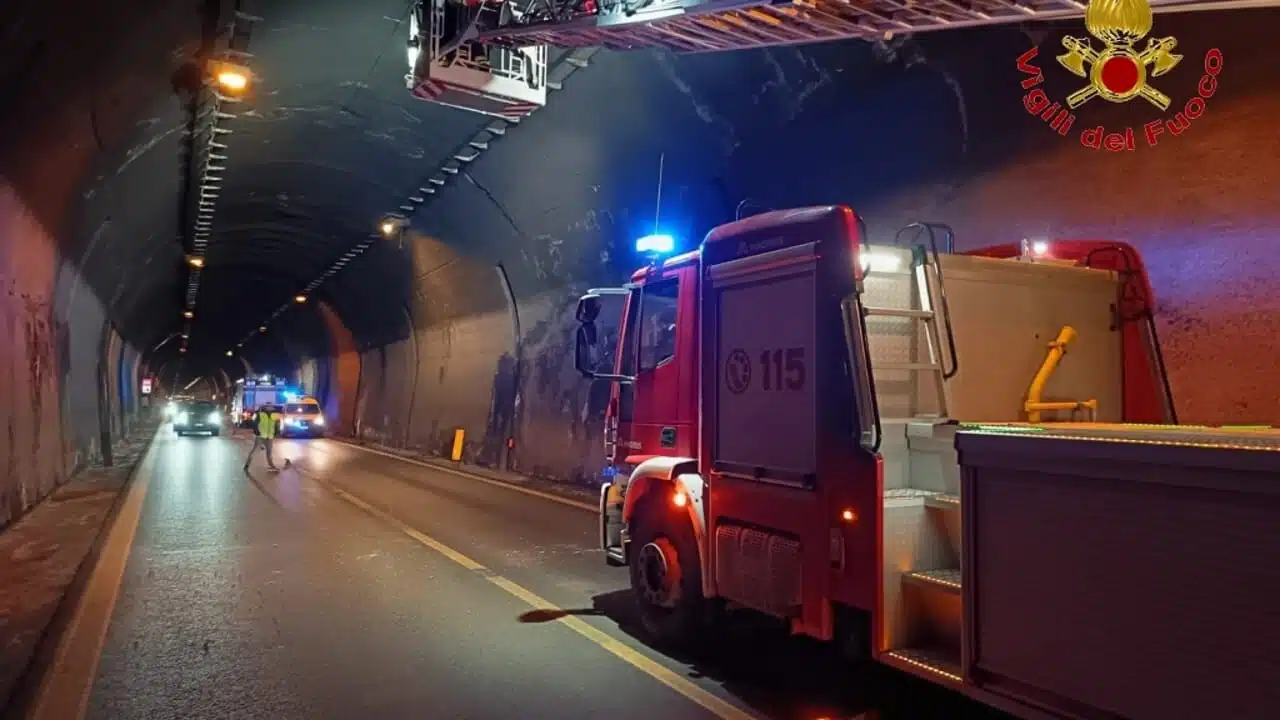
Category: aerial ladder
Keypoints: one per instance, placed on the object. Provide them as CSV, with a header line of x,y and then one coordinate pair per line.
x,y
491,56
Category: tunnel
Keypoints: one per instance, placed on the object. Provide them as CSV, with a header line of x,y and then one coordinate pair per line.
x,y
131,195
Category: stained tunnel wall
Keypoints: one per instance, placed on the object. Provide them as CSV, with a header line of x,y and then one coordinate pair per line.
x,y
59,350
904,130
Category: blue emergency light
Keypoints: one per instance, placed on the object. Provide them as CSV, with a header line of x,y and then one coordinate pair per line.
x,y
656,244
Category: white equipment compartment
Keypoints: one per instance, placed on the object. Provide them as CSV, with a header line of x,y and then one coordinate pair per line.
x,y
503,82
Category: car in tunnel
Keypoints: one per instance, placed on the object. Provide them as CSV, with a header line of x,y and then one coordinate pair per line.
x,y
171,407
302,419
198,416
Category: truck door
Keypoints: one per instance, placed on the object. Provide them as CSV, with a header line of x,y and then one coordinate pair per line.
x,y
652,403
760,415
778,428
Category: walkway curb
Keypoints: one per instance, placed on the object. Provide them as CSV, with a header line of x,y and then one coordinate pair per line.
x,y
27,687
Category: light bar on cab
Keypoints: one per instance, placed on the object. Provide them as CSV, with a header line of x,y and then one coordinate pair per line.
x,y
656,244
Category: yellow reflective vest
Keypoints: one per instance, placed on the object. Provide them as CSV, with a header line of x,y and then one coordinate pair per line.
x,y
267,423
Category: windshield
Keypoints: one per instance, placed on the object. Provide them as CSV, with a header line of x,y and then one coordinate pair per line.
x,y
302,409
199,407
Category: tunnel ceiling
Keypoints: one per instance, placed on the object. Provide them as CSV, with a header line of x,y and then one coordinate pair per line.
x,y
325,144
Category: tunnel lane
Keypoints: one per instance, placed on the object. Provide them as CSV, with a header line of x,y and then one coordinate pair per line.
x,y
268,596
358,585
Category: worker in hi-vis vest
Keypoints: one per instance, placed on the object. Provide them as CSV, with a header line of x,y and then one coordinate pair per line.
x,y
265,423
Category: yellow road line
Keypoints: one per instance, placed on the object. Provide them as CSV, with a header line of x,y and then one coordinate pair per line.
x,y
474,476
439,547
66,689
715,705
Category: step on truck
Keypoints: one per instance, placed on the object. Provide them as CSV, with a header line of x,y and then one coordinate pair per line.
x,y
967,463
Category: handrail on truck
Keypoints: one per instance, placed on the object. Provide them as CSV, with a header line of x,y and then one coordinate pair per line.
x,y
949,241
855,335
1147,315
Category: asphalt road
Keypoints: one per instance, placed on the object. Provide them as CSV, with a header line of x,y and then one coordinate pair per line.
x,y
354,585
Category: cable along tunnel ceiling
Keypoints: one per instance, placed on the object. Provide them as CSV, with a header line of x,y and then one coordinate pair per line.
x,y
326,143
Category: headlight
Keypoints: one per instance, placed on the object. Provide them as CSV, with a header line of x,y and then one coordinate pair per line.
x,y
183,418
215,418
319,420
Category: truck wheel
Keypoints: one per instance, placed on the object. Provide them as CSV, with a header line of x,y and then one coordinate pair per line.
x,y
666,576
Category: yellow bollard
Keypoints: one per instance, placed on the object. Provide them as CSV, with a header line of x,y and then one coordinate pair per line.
x,y
456,455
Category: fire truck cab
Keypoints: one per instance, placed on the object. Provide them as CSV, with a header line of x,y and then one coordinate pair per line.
x,y
781,430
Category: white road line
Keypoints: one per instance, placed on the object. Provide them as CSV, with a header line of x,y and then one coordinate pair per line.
x,y
65,692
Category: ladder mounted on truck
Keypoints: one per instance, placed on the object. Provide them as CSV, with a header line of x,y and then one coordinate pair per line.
x,y
689,26
490,56
448,67
915,300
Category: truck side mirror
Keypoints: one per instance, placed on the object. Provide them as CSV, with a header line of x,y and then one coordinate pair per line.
x,y
584,349
588,310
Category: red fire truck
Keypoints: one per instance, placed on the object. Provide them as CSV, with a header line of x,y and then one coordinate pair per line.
x,y
797,415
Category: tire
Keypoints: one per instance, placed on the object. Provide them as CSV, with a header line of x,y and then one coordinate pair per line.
x,y
666,576
216,433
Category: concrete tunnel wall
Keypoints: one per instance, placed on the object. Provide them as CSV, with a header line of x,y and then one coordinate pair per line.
x,y
61,359
77,272
904,130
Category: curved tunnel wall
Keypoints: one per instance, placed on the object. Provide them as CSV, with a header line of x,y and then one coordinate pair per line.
x,y
71,271
910,130
59,347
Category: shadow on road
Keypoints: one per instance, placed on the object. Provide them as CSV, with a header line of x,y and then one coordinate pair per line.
x,y
541,616
785,677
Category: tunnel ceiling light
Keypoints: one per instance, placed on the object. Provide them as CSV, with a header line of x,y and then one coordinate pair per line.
x,y
262,328
229,353
388,227
195,261
231,79
188,314
299,298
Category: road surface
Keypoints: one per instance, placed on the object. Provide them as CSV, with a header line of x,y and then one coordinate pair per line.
x,y
357,585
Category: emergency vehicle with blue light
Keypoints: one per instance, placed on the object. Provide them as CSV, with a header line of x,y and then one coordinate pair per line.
x,y
963,463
